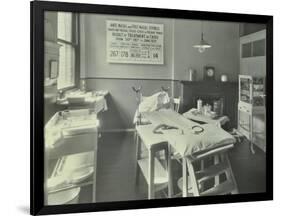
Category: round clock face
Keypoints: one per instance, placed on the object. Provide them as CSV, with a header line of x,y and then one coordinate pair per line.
x,y
210,72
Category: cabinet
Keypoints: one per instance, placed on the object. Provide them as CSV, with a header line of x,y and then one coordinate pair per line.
x,y
253,54
251,106
71,139
251,110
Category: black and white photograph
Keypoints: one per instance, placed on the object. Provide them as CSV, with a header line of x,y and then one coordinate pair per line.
x,y
142,108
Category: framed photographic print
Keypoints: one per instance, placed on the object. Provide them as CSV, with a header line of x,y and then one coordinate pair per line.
x,y
121,128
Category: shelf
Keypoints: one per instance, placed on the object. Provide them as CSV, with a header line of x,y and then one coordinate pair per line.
x,y
211,172
71,171
160,174
221,189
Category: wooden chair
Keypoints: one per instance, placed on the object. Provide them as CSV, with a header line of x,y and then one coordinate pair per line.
x,y
222,166
156,175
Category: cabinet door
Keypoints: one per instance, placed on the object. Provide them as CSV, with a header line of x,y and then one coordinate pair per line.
x,y
244,121
245,93
258,91
257,66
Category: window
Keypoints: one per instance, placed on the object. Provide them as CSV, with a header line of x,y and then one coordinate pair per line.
x,y
67,38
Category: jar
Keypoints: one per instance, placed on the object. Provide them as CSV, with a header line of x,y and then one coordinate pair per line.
x,y
224,78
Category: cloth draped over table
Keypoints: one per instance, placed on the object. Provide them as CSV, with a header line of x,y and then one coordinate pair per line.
x,y
184,139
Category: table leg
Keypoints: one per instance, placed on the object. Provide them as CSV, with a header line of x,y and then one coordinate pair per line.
x,y
251,134
184,178
94,198
151,155
169,168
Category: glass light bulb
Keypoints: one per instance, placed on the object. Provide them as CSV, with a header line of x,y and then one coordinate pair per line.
x,y
201,49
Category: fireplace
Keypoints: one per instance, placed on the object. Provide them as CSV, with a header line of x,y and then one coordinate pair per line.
x,y
208,92
215,100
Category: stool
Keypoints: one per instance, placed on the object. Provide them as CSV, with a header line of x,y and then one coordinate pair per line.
x,y
221,166
156,176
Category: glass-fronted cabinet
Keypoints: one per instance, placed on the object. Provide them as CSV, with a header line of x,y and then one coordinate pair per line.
x,y
251,109
252,90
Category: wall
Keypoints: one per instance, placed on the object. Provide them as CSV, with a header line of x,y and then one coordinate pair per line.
x,y
122,102
94,50
249,28
50,34
179,55
102,75
223,55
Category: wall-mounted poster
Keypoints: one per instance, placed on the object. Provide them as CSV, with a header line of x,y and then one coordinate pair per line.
x,y
134,42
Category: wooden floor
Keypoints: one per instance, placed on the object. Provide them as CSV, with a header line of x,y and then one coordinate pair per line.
x,y
117,163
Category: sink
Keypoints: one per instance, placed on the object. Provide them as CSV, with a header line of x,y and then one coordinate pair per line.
x,y
69,123
78,97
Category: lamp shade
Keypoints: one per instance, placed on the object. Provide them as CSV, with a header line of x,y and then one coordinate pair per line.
x,y
202,45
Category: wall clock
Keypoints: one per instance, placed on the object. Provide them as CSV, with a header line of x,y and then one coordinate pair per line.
x,y
209,73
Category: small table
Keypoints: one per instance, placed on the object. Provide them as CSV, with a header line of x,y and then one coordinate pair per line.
x,y
194,115
95,101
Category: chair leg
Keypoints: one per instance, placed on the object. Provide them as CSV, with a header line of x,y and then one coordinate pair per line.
x,y
184,178
217,177
229,175
194,184
202,167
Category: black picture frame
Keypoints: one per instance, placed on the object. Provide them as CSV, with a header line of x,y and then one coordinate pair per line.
x,y
37,9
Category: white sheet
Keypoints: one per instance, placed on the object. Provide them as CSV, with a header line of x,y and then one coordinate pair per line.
x,y
183,139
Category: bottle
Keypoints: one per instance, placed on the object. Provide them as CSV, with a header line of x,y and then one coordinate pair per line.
x,y
199,105
191,74
216,106
83,85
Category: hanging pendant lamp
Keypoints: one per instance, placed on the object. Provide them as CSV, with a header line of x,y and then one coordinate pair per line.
x,y
202,45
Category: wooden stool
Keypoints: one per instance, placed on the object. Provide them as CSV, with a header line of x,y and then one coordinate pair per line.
x,y
156,176
221,166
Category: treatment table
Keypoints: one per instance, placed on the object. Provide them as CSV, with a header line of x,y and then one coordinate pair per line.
x,y
188,138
